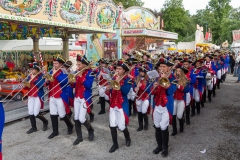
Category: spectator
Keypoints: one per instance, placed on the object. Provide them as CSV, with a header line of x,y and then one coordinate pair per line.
x,y
232,62
238,70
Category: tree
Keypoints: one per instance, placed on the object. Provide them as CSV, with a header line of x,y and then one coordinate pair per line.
x,y
177,19
221,10
129,3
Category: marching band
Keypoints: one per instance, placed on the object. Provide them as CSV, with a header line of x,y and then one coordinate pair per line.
x,y
180,86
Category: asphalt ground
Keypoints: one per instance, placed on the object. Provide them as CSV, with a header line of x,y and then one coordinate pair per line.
x,y
216,129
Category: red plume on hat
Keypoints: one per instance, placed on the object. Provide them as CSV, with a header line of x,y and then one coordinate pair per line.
x,y
31,65
161,60
79,58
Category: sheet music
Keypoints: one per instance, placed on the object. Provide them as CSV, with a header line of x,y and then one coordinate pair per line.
x,y
106,70
106,76
153,74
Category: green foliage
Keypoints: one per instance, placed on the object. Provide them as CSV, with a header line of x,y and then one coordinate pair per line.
x,y
177,19
129,3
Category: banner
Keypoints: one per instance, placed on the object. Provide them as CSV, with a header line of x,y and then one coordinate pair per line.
x,y
236,35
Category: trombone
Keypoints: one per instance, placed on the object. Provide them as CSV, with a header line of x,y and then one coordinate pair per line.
x,y
32,88
71,79
113,83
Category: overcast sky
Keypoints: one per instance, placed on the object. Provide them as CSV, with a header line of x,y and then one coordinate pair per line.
x,y
191,5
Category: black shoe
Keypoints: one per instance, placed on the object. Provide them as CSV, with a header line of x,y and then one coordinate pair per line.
x,y
157,150
79,132
114,139
113,148
54,134
44,120
91,117
69,125
174,125
33,124
101,112
140,121
158,136
127,137
193,107
54,119
165,139
32,130
90,130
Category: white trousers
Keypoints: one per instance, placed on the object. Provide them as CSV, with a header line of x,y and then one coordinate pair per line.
x,y
131,95
117,118
79,110
34,105
188,98
102,93
57,107
196,95
210,84
219,74
161,117
142,106
179,107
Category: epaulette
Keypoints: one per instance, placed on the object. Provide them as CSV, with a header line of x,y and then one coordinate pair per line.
x,y
204,71
92,74
130,81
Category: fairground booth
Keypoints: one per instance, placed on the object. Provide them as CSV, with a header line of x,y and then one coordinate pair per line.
x,y
136,29
32,20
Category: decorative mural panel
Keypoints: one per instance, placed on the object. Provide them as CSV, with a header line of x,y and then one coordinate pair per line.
x,y
92,7
106,17
22,7
139,18
51,9
73,11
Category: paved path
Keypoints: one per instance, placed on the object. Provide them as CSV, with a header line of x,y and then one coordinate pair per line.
x,y
216,130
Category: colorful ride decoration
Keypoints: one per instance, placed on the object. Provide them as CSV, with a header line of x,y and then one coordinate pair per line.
x,y
20,19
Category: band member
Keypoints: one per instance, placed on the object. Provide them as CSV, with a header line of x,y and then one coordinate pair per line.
x,y
131,95
180,98
119,111
35,103
189,96
2,119
198,86
210,76
215,68
142,102
102,85
82,99
163,99
58,99
69,89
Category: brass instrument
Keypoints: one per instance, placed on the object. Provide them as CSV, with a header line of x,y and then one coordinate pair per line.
x,y
164,81
49,76
72,77
27,83
138,56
